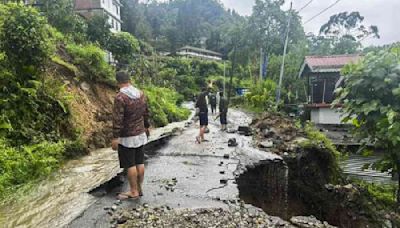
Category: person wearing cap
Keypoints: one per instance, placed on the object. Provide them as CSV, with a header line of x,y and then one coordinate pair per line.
x,y
130,133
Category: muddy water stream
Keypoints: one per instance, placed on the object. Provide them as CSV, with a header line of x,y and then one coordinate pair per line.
x,y
62,197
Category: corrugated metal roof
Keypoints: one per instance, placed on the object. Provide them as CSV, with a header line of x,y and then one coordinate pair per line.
x,y
332,63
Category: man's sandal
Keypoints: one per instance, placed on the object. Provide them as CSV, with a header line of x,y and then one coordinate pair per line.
x,y
125,196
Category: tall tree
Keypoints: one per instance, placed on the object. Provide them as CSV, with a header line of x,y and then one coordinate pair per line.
x,y
344,33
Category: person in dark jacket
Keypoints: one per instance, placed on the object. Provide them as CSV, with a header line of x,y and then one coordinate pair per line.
x,y
201,105
213,103
223,111
130,133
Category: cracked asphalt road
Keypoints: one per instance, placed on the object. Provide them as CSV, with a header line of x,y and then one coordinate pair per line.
x,y
183,174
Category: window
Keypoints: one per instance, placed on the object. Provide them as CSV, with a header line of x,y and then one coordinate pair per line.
x,y
112,23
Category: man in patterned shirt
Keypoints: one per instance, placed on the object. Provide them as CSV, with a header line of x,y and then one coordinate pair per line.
x,y
130,132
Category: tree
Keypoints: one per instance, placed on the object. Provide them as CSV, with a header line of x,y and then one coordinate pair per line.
x,y
371,101
123,46
268,26
98,30
349,25
61,15
344,33
24,39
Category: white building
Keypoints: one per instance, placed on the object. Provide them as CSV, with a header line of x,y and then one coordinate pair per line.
x,y
111,8
189,51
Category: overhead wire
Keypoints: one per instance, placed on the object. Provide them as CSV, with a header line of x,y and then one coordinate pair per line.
x,y
305,6
323,11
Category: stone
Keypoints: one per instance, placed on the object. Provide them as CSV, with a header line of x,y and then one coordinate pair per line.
x,y
84,86
114,207
226,156
232,142
266,144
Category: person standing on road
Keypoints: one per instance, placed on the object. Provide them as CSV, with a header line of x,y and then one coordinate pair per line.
x,y
223,111
213,103
130,132
201,105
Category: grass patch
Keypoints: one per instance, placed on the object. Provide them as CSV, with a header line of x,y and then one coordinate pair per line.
x,y
58,60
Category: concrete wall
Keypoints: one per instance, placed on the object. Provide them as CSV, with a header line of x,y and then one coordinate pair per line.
x,y
325,116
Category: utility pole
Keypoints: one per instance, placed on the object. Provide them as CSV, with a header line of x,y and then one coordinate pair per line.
x,y
261,63
231,74
278,94
224,78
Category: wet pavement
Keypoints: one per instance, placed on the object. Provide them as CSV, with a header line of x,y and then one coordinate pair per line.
x,y
184,174
62,197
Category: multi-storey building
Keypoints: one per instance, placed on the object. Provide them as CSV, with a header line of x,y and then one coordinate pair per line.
x,y
111,8
87,8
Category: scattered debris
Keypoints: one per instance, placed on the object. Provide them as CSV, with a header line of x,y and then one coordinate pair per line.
x,y
226,156
237,215
309,222
168,185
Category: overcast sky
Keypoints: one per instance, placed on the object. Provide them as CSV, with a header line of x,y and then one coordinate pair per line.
x,y
383,13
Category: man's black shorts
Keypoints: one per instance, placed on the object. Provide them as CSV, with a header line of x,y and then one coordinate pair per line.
x,y
223,119
129,157
203,116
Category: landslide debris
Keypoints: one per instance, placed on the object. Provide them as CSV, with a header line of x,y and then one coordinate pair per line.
x,y
277,133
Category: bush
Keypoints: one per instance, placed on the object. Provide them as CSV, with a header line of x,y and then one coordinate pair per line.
x,y
163,104
20,166
262,95
98,30
123,46
91,59
24,38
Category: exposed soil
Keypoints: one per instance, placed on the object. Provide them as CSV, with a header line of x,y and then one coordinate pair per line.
x,y
90,105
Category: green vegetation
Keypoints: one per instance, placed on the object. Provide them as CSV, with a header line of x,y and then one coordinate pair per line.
x,y
123,45
262,95
316,139
370,100
164,109
22,165
91,59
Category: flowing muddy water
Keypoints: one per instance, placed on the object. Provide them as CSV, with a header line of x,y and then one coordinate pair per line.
x,y
62,197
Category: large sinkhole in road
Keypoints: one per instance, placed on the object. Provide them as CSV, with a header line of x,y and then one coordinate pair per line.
x,y
265,185
296,186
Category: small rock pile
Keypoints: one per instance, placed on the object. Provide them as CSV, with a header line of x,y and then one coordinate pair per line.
x,y
217,217
168,185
